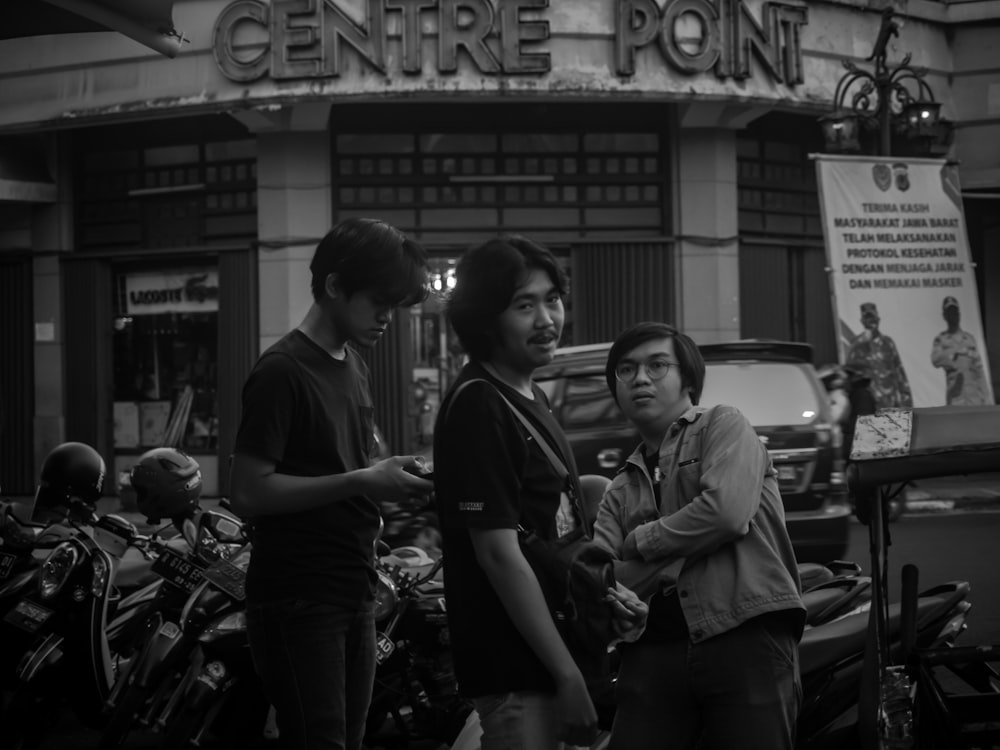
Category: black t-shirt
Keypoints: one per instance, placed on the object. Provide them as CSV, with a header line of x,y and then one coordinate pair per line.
x,y
489,474
312,415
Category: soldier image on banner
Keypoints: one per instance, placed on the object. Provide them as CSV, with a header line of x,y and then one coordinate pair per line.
x,y
955,351
897,247
873,348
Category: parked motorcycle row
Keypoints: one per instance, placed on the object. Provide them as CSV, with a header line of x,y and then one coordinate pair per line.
x,y
147,633
144,633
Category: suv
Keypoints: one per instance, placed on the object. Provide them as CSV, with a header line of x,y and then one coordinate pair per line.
x,y
772,382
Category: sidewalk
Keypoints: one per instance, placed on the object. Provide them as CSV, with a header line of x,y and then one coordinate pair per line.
x,y
979,492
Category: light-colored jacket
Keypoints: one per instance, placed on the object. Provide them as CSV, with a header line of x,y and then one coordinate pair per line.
x,y
720,533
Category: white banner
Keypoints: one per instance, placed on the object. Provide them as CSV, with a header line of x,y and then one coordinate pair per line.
x,y
903,284
194,290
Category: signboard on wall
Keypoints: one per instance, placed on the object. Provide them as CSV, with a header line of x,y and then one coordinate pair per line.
x,y
190,291
324,40
904,289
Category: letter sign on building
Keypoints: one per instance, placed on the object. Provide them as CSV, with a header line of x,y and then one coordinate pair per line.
x,y
729,36
166,292
308,39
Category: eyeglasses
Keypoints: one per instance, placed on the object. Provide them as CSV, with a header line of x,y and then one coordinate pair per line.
x,y
626,371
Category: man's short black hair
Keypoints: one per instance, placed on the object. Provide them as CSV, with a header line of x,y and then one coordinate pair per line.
x,y
486,278
689,359
368,254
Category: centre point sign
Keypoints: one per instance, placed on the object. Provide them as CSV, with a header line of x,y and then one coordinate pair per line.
x,y
309,39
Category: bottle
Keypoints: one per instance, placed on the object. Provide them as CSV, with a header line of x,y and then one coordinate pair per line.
x,y
896,709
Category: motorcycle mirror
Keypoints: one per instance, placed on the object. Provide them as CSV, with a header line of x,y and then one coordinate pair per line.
x,y
189,530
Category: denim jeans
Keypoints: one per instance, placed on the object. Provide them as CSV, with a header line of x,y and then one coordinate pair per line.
x,y
518,721
740,689
317,664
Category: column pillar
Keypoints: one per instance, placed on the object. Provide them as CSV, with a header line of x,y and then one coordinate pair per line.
x,y
707,219
294,210
51,235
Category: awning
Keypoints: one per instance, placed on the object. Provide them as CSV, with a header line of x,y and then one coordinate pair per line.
x,y
24,175
149,22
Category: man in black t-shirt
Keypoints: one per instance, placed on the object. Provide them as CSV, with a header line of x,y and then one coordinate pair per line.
x,y
490,477
302,474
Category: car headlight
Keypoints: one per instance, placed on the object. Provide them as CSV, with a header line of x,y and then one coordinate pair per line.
x,y
100,577
385,596
57,568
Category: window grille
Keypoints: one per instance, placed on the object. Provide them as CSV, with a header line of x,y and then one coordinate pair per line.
x,y
549,185
777,188
199,194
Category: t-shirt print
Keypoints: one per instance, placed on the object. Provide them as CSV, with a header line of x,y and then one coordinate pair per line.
x,y
566,520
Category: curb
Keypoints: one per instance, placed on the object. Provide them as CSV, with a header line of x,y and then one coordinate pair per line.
x,y
984,502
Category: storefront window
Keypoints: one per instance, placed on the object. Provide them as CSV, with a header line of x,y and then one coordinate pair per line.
x,y
165,352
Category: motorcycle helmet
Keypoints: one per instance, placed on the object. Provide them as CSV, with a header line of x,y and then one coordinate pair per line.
x,y
167,483
71,472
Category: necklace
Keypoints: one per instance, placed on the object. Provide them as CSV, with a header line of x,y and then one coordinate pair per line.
x,y
524,391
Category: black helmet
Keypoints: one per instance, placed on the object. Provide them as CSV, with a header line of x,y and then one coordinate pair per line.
x,y
167,483
70,471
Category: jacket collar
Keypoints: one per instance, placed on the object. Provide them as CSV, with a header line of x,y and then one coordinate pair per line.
x,y
689,417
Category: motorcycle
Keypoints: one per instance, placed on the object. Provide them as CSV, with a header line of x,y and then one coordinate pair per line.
x,y
903,700
68,619
23,547
143,686
415,696
832,590
219,690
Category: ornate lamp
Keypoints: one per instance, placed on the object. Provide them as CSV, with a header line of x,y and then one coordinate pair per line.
x,y
841,131
887,100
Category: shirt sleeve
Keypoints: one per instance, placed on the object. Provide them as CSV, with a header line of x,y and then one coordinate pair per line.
x,y
609,531
479,456
732,466
642,577
269,398
941,356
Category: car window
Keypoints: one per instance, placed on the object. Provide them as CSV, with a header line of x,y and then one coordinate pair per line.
x,y
768,393
587,403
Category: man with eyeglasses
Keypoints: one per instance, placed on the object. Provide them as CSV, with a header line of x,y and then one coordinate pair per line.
x,y
696,520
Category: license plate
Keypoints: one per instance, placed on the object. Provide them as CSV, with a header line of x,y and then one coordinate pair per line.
x,y
178,570
7,561
28,616
383,647
227,577
787,474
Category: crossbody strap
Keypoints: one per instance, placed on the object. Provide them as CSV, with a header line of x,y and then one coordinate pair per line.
x,y
557,463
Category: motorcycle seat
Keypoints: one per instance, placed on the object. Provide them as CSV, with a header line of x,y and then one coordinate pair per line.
x,y
812,574
832,642
835,597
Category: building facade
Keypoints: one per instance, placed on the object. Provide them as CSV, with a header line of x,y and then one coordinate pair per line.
x,y
158,215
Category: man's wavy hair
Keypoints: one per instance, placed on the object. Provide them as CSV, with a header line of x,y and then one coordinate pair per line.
x,y
689,359
368,254
486,278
